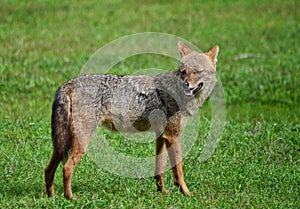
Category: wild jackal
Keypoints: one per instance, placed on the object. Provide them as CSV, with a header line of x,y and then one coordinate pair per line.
x,y
160,103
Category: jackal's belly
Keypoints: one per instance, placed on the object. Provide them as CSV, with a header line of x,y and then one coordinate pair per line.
x,y
153,121
132,127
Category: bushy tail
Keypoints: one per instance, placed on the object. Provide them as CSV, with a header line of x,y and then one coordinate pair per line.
x,y
61,123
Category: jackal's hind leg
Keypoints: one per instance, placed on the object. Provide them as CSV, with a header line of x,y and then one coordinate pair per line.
x,y
50,171
68,169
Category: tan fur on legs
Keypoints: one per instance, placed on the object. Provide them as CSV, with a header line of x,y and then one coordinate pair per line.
x,y
50,171
75,157
175,154
160,163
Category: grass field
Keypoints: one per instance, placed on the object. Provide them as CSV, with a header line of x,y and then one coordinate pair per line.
x,y
256,163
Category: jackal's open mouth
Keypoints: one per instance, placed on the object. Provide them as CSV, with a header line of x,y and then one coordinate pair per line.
x,y
193,91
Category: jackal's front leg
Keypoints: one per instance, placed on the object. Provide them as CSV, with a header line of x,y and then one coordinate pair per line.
x,y
160,163
175,154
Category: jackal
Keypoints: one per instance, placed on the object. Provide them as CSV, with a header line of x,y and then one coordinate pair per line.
x,y
161,103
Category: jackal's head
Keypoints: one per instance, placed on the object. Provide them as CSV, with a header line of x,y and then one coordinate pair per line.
x,y
197,70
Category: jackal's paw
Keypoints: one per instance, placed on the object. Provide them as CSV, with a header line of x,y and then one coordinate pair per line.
x,y
165,191
54,196
70,197
191,193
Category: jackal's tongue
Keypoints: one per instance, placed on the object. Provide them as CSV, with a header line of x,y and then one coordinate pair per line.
x,y
194,90
189,92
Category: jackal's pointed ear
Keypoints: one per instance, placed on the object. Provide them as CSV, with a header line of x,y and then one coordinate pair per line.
x,y
213,54
183,49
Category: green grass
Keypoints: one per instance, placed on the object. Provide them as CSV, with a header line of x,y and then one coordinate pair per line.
x,y
257,162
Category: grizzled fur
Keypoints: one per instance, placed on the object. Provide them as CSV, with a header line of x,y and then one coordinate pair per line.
x,y
160,103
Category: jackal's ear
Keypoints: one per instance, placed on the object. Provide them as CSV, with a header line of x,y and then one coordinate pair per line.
x,y
183,49
213,54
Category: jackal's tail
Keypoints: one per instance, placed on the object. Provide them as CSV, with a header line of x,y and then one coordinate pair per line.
x,y
61,123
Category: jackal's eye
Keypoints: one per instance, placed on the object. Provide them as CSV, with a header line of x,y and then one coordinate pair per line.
x,y
183,72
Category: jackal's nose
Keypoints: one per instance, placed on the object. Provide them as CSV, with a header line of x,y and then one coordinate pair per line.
x,y
185,84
